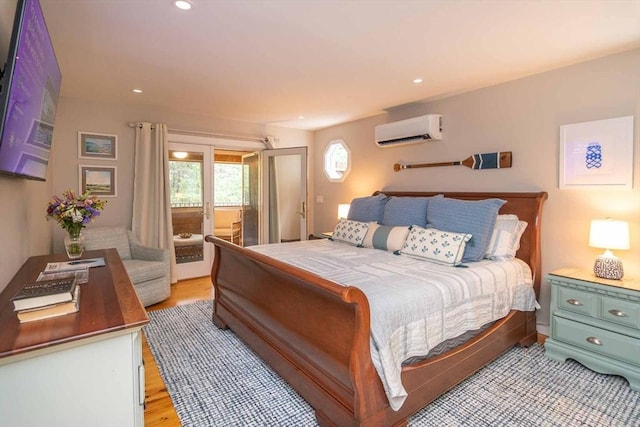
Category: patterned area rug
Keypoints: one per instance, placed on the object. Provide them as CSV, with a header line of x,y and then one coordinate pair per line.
x,y
215,380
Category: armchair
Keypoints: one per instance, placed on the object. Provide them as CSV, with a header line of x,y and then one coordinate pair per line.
x,y
148,268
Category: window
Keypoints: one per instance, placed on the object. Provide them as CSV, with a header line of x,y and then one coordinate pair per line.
x,y
227,178
185,182
337,160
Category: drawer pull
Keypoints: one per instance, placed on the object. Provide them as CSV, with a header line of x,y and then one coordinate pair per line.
x,y
574,302
594,340
618,313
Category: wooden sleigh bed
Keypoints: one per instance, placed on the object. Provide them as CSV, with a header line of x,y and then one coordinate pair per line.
x,y
316,333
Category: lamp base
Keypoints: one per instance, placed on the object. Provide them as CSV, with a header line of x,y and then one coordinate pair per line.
x,y
608,268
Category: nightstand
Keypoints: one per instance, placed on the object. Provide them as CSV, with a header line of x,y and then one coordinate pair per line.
x,y
596,322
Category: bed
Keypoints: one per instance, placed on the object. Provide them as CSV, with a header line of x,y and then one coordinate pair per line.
x,y
316,333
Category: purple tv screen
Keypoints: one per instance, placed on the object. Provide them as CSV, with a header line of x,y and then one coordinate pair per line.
x,y
32,95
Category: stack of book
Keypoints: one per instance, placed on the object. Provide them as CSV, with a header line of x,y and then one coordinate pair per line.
x,y
54,293
47,298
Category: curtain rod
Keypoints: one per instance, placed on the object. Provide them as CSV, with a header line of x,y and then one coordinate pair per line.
x,y
209,134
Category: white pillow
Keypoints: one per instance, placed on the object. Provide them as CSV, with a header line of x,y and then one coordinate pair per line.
x,y
505,240
444,247
386,237
350,231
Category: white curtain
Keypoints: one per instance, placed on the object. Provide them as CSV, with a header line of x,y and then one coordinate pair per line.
x,y
151,220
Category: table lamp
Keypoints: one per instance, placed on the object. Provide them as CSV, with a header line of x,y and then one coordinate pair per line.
x,y
609,234
343,210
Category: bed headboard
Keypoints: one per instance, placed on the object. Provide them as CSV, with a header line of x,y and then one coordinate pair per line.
x,y
527,206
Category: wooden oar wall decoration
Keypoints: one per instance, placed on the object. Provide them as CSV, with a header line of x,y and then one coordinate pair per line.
x,y
499,160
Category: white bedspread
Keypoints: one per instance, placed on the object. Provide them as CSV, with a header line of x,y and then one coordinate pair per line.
x,y
415,304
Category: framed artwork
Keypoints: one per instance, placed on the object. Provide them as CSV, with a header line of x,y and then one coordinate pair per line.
x,y
40,134
597,154
97,146
99,180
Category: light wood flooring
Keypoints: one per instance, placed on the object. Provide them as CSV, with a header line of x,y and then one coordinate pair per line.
x,y
159,409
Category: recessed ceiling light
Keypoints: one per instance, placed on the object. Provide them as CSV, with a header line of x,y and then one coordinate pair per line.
x,y
300,117
137,90
417,81
183,4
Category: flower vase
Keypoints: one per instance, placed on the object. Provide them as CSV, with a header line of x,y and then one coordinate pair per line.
x,y
74,245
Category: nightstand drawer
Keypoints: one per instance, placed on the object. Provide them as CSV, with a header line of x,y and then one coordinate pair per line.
x,y
611,344
578,301
622,312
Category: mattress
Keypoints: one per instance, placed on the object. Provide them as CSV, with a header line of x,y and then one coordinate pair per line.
x,y
415,304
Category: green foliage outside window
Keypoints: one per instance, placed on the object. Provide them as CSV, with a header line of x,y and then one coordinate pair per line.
x,y
227,184
185,181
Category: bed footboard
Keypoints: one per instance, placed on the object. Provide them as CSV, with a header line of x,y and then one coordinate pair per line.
x,y
313,332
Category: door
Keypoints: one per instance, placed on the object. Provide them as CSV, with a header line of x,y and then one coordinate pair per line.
x,y
275,196
251,198
190,180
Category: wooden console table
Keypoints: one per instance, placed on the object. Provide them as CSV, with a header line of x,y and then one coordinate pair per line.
x,y
79,369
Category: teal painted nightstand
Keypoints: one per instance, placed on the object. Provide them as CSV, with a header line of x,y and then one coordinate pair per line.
x,y
596,322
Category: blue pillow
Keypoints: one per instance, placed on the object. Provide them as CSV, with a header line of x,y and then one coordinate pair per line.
x,y
475,217
367,209
406,211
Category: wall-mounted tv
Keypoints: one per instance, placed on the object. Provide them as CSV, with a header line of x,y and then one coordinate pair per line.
x,y
30,81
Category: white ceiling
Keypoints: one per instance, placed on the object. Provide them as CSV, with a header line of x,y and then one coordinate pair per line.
x,y
330,61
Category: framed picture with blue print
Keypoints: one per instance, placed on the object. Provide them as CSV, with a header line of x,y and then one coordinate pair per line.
x,y
597,154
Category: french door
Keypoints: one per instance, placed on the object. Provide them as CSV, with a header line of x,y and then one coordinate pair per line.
x,y
274,201
190,169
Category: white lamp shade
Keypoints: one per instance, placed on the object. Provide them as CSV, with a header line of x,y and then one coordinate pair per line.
x,y
609,234
343,210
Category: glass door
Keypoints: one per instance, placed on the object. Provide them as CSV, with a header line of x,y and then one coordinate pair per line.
x,y
190,180
251,200
275,196
285,195
227,195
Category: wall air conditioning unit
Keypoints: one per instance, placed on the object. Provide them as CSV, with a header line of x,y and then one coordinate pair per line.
x,y
410,131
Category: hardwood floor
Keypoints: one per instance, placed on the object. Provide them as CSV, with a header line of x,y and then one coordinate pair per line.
x,y
159,409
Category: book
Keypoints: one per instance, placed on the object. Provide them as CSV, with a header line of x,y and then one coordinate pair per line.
x,y
81,275
53,310
79,264
43,293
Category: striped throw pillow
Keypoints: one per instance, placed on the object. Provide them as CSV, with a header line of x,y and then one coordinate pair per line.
x,y
385,237
505,240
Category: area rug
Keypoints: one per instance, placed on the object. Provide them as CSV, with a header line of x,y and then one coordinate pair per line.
x,y
215,380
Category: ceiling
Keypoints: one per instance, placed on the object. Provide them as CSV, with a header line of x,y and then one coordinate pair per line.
x,y
272,61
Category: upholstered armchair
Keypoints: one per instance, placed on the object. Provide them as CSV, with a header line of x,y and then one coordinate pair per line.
x,y
148,268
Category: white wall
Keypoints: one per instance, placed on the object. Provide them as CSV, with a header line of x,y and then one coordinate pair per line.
x,y
23,227
521,116
78,115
